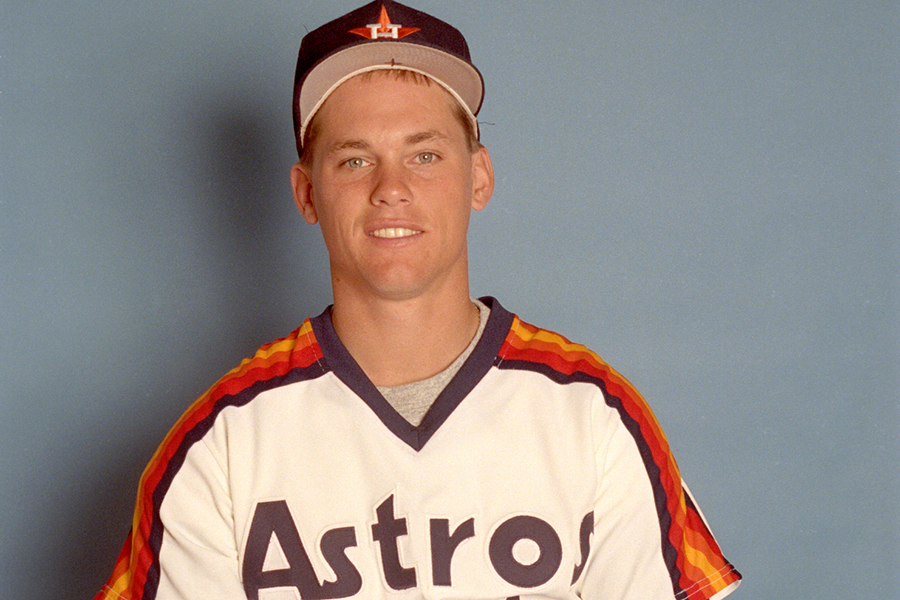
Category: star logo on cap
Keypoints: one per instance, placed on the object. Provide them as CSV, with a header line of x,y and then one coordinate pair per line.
x,y
384,28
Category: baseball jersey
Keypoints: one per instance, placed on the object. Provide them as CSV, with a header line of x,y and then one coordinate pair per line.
x,y
538,472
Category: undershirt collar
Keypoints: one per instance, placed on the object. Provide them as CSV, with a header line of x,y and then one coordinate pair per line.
x,y
412,400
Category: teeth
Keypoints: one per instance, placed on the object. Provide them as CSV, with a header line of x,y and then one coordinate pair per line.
x,y
394,232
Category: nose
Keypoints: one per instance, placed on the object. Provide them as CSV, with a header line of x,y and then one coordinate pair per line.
x,y
391,185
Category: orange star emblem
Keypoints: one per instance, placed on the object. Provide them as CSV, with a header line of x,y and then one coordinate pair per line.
x,y
384,28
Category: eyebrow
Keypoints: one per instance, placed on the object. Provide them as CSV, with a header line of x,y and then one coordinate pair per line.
x,y
410,140
348,145
424,136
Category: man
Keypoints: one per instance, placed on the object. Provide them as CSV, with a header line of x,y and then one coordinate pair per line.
x,y
411,441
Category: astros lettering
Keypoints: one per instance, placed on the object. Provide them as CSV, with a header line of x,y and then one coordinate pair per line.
x,y
273,518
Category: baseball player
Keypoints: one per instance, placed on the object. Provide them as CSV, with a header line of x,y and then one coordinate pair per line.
x,y
411,441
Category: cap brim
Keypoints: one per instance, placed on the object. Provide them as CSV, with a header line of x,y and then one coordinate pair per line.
x,y
459,78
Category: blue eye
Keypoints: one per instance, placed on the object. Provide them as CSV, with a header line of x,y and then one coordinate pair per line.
x,y
355,163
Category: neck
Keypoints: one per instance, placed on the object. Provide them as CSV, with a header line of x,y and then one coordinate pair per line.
x,y
401,341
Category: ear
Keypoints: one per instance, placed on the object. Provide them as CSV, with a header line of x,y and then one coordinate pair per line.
x,y
482,178
301,182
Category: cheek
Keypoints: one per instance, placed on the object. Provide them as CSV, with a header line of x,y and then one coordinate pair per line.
x,y
336,228
326,207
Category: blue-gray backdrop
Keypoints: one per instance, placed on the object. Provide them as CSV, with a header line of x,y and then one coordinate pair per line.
x,y
704,192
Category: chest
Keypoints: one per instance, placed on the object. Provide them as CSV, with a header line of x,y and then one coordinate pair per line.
x,y
328,500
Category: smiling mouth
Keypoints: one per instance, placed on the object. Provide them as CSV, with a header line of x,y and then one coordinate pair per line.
x,y
394,232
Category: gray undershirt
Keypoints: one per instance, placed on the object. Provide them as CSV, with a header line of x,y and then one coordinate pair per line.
x,y
412,400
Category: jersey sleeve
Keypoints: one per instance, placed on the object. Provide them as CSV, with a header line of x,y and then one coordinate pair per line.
x,y
196,557
183,544
649,541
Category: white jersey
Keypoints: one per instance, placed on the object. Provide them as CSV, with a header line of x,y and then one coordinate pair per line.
x,y
539,472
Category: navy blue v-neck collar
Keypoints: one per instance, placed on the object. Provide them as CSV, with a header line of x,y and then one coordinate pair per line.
x,y
343,365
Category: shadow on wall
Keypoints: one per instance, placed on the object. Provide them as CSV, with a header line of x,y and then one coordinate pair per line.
x,y
259,271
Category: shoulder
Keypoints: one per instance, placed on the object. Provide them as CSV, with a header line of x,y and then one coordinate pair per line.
x,y
534,348
295,357
531,348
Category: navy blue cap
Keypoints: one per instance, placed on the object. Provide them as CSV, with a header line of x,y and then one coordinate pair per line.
x,y
382,35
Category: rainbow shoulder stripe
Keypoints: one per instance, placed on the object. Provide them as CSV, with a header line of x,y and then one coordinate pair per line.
x,y
693,558
137,570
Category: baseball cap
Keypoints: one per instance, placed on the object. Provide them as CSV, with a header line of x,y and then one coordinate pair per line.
x,y
382,35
